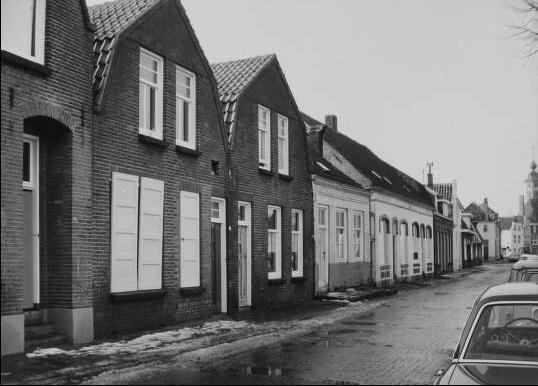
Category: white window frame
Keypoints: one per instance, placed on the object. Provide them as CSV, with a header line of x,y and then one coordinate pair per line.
x,y
247,222
283,151
159,100
185,281
38,30
265,132
191,143
277,274
360,228
299,235
343,258
221,219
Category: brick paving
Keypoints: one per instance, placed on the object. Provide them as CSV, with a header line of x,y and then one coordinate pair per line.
x,y
404,341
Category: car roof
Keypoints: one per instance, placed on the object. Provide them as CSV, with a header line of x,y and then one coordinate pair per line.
x,y
522,264
510,291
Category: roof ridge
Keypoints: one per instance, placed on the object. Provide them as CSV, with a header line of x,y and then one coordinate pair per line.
x,y
264,56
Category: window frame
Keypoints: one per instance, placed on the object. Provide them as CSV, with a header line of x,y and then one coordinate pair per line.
x,y
37,34
344,227
277,274
361,236
159,98
283,168
191,143
264,163
300,234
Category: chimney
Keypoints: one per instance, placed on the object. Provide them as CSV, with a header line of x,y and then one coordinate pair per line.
x,y
430,175
521,205
331,121
486,200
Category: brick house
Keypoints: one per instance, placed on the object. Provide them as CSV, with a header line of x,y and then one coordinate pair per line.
x,y
46,171
341,220
271,182
401,210
159,171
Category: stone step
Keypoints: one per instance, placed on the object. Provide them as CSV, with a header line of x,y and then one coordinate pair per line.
x,y
38,330
48,340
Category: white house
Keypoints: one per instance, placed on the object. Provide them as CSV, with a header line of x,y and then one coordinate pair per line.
x,y
401,210
512,237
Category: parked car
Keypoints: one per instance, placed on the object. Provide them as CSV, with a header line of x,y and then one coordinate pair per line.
x,y
527,256
524,270
499,343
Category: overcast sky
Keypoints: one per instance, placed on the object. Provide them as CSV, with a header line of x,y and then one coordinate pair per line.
x,y
414,80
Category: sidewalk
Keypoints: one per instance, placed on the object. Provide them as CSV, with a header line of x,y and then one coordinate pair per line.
x,y
220,336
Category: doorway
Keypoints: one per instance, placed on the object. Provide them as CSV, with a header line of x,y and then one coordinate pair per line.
x,y
30,196
245,254
218,253
323,247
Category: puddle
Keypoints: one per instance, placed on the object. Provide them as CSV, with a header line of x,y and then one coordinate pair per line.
x,y
265,370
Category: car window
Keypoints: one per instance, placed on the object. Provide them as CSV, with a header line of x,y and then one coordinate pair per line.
x,y
505,333
513,276
531,276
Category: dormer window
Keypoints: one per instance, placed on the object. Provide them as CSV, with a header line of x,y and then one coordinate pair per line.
x,y
23,28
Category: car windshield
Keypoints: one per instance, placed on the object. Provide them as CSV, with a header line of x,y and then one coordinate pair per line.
x,y
531,276
505,332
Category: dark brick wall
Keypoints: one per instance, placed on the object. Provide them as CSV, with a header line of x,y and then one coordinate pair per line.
x,y
117,147
262,190
56,95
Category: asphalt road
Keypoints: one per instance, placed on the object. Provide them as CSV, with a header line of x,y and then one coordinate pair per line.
x,y
405,341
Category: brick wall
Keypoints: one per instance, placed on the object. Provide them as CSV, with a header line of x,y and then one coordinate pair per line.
x,y
55,95
117,147
262,190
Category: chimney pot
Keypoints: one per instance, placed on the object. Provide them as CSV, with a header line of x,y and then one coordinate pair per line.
x,y
486,200
331,121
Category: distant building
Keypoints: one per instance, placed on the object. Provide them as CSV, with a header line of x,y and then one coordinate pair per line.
x,y
486,221
471,241
511,236
530,211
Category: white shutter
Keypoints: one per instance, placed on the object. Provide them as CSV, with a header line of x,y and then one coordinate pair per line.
x,y
190,240
151,234
124,232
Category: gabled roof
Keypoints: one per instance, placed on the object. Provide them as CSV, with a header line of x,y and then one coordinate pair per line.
x,y
444,191
323,168
110,19
482,212
311,123
233,78
382,174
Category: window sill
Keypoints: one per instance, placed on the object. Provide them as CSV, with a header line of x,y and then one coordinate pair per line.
x,y
15,59
285,177
276,281
298,279
137,295
153,141
188,151
191,291
265,171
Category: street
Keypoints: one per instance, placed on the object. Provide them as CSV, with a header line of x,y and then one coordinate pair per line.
x,y
404,341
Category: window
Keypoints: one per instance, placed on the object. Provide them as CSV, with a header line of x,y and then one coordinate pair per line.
x,y
341,234
151,94
185,108
485,227
357,235
189,228
136,233
297,243
264,137
416,240
244,250
384,226
404,233
274,251
283,145
23,28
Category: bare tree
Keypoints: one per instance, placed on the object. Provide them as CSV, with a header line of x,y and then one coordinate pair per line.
x,y
528,29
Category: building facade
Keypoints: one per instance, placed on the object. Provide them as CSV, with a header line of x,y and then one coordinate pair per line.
x,y
271,184
530,211
472,244
401,217
512,237
46,171
341,225
486,221
159,171
443,226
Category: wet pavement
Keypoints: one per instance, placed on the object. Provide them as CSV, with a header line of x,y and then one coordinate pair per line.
x,y
404,341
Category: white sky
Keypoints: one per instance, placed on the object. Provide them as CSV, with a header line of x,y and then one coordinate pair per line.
x,y
415,80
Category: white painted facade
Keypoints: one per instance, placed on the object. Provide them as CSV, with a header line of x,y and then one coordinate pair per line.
x,y
330,197
512,240
489,231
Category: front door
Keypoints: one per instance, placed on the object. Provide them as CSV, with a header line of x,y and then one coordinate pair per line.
x,y
30,196
323,248
244,223
218,253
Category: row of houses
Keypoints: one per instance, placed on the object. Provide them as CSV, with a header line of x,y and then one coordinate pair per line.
x,y
143,186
